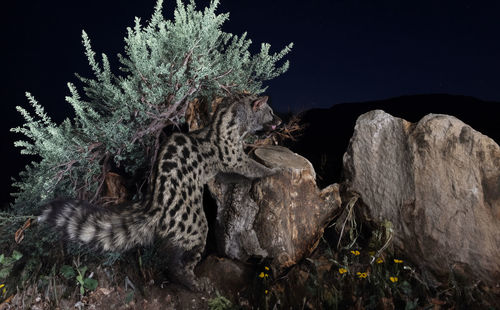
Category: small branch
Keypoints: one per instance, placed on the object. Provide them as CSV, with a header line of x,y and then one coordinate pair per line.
x,y
222,75
102,177
143,78
174,106
61,173
386,244
184,63
156,125
188,56
226,87
6,216
350,207
156,148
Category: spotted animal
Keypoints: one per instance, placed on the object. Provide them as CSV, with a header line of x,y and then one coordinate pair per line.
x,y
174,209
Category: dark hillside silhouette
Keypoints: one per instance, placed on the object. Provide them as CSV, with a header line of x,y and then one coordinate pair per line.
x,y
327,135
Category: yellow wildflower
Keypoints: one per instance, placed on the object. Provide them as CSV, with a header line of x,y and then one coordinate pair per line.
x,y
356,252
398,261
261,275
266,268
393,279
379,260
2,285
266,291
266,275
362,275
342,270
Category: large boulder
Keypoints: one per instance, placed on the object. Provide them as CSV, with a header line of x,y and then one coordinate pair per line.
x,y
280,217
438,182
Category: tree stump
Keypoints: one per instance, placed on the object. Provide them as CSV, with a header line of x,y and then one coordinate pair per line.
x,y
280,217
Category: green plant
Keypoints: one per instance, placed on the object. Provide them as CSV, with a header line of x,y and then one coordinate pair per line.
x,y
7,262
220,303
129,297
121,116
78,273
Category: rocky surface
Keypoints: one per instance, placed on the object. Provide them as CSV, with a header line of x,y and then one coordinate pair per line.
x,y
438,182
226,276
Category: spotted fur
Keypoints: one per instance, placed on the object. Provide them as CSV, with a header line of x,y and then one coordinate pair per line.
x,y
173,210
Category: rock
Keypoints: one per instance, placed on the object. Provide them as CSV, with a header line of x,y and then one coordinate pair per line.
x,y
438,182
281,216
225,276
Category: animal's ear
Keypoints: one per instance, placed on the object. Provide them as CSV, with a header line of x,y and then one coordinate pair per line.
x,y
259,102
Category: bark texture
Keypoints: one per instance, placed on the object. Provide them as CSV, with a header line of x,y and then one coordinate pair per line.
x,y
280,217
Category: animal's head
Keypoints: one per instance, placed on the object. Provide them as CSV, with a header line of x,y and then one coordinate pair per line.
x,y
255,114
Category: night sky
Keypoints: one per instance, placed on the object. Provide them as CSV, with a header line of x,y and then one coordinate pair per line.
x,y
345,51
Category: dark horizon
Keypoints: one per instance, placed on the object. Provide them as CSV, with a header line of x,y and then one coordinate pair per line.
x,y
345,50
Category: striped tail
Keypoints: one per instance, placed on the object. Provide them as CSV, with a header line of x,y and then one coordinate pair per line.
x,y
116,228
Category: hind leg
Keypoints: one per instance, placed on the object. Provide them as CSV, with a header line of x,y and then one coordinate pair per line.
x,y
180,266
187,254
182,269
